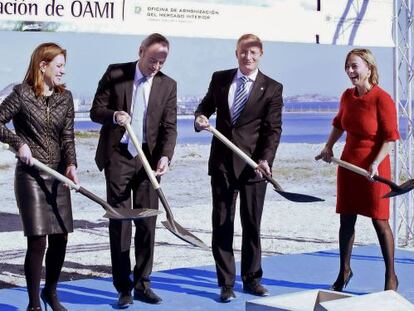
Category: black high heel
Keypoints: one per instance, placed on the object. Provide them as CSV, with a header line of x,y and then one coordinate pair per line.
x,y
396,285
339,285
51,299
33,308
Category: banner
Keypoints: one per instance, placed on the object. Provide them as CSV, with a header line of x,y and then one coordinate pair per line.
x,y
345,22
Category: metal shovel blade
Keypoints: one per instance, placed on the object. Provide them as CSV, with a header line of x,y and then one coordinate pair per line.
x,y
175,228
403,188
184,234
171,225
298,197
291,196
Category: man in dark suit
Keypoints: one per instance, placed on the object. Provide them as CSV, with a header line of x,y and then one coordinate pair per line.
x,y
249,113
139,89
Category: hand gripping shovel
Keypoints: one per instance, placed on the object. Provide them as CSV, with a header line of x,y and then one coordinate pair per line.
x,y
395,189
295,197
170,224
112,213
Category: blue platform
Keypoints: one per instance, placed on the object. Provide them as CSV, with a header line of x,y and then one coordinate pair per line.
x,y
196,288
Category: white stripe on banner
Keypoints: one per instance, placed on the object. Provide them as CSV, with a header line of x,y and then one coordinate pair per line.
x,y
348,22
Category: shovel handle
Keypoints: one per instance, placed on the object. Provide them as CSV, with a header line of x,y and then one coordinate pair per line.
x,y
365,173
233,147
167,208
142,157
351,167
55,174
96,199
47,169
388,182
273,182
110,211
243,155
148,170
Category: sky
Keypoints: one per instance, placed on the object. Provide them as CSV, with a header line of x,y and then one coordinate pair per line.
x,y
301,68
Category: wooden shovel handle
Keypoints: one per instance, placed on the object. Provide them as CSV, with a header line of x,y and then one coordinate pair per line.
x,y
351,167
142,157
148,170
47,169
243,155
233,147
361,171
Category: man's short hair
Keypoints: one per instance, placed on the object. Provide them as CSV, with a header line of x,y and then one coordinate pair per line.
x,y
251,37
153,39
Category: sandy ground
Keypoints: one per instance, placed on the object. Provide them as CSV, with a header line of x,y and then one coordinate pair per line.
x,y
287,227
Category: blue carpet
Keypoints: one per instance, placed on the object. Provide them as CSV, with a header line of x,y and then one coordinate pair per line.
x,y
196,289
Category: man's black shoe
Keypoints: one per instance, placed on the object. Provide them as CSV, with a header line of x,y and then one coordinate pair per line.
x,y
255,288
147,295
124,300
227,294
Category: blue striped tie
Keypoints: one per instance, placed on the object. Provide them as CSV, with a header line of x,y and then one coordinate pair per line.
x,y
240,98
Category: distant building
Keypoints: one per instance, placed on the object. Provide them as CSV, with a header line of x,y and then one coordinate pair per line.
x,y
186,105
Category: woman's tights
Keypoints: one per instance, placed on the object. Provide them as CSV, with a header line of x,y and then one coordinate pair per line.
x,y
55,257
386,241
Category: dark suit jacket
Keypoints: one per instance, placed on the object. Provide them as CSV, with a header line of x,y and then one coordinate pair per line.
x,y
114,93
258,128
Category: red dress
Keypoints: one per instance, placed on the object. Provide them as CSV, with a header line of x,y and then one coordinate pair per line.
x,y
369,121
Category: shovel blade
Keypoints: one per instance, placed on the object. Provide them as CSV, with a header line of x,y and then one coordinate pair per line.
x,y
403,188
184,234
298,197
131,214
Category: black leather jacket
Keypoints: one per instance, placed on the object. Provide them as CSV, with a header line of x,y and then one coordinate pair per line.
x,y
45,125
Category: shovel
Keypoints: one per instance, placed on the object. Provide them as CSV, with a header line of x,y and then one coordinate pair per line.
x,y
395,189
294,197
170,224
112,213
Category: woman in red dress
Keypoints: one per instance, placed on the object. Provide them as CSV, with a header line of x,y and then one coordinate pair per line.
x,y
368,115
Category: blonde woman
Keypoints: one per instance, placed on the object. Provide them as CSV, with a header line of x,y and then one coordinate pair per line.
x,y
368,115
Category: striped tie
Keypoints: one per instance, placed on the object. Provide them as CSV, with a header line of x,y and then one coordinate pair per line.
x,y
240,99
137,119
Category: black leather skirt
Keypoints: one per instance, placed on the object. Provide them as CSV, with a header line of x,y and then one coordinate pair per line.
x,y
44,203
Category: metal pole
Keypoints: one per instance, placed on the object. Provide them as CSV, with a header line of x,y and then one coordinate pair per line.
x,y
396,100
403,83
408,108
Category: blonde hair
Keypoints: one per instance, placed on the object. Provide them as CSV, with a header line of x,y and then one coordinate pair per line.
x,y
45,52
251,37
367,56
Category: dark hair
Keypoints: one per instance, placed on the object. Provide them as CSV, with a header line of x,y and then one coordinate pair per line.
x,y
367,56
153,39
45,52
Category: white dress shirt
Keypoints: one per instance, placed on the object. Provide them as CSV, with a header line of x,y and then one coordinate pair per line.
x,y
147,89
235,84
